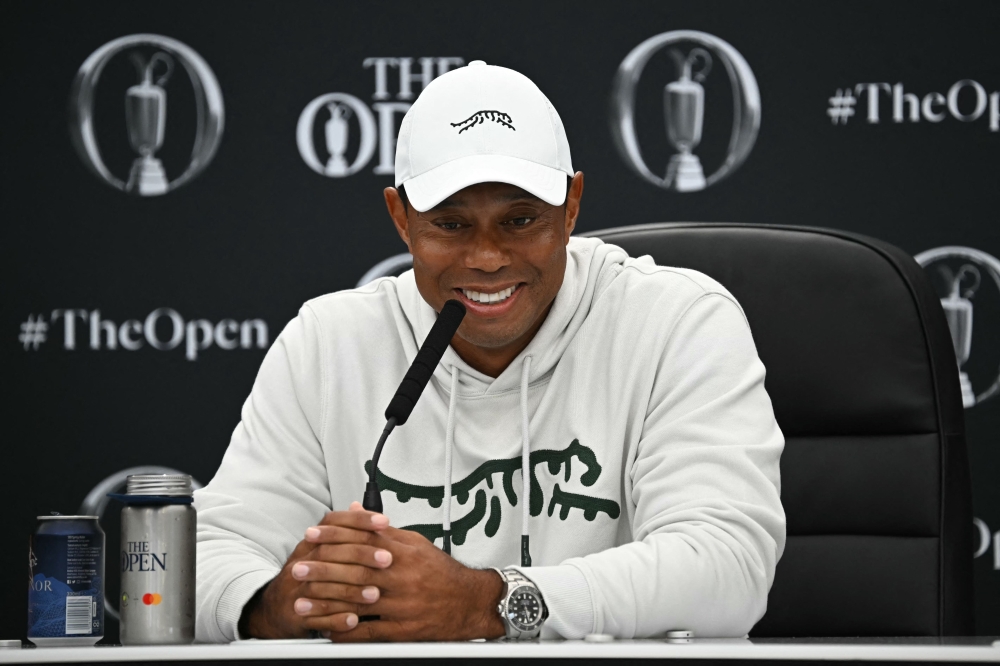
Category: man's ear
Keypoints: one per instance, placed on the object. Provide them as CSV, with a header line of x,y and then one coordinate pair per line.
x,y
397,211
573,195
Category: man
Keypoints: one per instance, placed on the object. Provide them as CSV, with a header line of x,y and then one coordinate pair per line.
x,y
634,393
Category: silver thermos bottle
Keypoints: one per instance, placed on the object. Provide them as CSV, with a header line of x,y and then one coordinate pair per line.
x,y
158,560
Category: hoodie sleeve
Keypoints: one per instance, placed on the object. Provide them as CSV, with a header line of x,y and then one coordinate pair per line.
x,y
272,483
707,524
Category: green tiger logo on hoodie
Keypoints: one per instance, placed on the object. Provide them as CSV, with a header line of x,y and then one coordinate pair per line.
x,y
566,501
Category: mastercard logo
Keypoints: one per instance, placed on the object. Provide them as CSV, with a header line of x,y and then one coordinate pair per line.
x,y
151,599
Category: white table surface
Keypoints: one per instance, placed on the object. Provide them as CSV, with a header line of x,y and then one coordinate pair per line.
x,y
888,649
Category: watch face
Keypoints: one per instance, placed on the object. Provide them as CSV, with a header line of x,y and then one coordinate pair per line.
x,y
524,610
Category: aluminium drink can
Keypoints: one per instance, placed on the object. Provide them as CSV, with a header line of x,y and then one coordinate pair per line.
x,y
66,581
157,604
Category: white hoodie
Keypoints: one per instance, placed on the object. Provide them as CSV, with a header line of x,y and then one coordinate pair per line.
x,y
653,447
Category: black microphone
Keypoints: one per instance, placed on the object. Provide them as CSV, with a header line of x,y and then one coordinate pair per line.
x,y
411,387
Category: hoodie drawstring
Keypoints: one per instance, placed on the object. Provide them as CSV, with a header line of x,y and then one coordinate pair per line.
x,y
449,444
525,464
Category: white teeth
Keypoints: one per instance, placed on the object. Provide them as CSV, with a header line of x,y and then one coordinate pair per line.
x,y
482,297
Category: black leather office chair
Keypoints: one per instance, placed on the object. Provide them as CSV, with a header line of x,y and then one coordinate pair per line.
x,y
862,375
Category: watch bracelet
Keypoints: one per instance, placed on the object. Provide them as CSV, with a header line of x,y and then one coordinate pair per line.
x,y
514,579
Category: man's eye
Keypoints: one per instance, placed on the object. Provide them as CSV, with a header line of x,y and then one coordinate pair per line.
x,y
521,221
449,226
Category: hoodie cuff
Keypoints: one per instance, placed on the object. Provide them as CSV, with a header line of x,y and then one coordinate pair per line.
x,y
567,596
235,597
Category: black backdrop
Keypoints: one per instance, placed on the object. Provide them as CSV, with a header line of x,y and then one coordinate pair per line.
x,y
258,231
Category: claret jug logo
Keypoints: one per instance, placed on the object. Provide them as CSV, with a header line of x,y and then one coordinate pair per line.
x,y
987,541
160,63
968,281
39,585
483,476
350,132
680,110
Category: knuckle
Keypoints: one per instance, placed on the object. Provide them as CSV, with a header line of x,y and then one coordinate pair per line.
x,y
335,592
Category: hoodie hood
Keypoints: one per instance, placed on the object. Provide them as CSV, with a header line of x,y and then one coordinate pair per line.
x,y
590,264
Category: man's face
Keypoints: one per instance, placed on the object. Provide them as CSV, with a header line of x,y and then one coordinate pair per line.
x,y
490,242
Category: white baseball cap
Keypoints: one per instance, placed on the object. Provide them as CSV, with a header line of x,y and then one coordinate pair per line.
x,y
480,124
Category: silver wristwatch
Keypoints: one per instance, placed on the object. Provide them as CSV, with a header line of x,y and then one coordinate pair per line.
x,y
521,608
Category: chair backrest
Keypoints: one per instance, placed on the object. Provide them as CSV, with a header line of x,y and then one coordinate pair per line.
x,y
862,374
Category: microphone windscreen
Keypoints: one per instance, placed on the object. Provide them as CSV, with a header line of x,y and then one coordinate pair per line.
x,y
427,359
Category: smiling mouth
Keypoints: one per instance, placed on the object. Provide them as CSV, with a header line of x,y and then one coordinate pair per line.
x,y
488,298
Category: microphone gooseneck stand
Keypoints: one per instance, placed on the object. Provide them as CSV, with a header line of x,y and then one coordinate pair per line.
x,y
409,391
372,500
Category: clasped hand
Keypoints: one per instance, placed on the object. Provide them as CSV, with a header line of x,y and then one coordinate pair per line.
x,y
354,565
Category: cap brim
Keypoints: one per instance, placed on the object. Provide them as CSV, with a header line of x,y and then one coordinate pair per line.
x,y
432,187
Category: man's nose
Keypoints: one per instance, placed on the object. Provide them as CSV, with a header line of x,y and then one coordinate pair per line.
x,y
487,253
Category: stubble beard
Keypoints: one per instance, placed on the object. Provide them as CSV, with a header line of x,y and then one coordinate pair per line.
x,y
494,337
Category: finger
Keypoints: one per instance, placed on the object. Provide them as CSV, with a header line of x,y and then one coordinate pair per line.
x,y
375,605
355,594
355,506
332,625
321,607
333,572
338,534
359,520
405,536
375,630
352,553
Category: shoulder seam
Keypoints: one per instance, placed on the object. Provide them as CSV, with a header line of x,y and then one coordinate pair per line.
x,y
666,269
704,290
705,295
371,289
323,377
